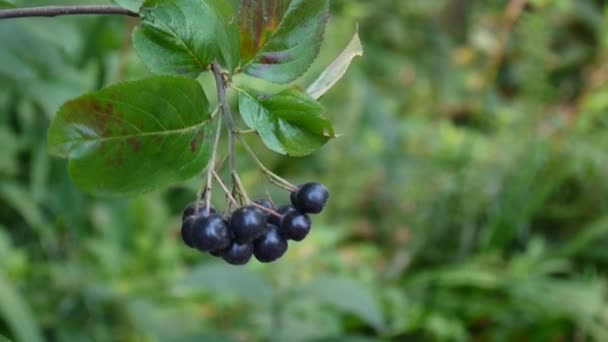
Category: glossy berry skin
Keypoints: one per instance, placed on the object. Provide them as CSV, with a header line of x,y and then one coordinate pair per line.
x,y
271,246
310,198
191,210
266,204
283,210
237,254
293,197
218,253
186,231
210,233
247,224
295,226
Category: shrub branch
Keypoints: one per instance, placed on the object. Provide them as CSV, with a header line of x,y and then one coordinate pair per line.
x,y
54,11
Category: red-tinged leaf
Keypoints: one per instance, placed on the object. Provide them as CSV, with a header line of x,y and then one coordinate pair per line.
x,y
280,39
134,137
258,19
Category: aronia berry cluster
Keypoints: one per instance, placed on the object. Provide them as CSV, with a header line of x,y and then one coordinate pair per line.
x,y
259,230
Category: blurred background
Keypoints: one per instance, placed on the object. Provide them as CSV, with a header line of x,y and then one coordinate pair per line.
x,y
469,189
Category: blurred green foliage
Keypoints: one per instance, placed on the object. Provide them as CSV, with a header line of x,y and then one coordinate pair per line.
x,y
469,190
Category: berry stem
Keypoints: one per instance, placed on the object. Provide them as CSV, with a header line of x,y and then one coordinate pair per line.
x,y
239,187
274,178
211,168
221,86
225,188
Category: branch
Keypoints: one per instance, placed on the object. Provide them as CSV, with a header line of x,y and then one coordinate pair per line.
x,y
53,11
221,94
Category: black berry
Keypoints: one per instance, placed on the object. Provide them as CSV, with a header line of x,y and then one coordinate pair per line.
x,y
191,210
293,197
218,253
247,224
295,225
186,231
266,204
310,198
237,254
271,246
210,233
283,210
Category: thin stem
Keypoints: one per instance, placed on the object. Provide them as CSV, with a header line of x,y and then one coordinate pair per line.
x,y
211,167
240,188
225,188
274,178
263,208
54,11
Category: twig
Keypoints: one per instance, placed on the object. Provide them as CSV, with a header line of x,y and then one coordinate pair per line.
x,y
220,84
54,11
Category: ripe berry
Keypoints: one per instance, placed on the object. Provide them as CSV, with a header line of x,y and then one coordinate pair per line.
x,y
218,253
186,231
293,197
266,204
295,226
310,198
247,224
210,233
270,246
237,254
191,210
283,210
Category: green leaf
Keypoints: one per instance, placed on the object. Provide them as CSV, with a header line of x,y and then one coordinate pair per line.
x,y
227,36
135,136
184,36
280,39
348,296
336,69
131,5
289,122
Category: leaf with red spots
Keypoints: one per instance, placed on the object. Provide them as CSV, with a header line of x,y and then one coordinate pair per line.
x,y
136,136
280,39
290,122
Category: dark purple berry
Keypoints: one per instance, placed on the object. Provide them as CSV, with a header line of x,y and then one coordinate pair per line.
x,y
237,254
295,226
247,224
282,210
186,231
191,210
293,197
210,233
266,204
218,253
270,246
311,198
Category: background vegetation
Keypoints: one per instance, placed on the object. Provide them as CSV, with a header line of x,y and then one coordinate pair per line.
x,y
469,190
